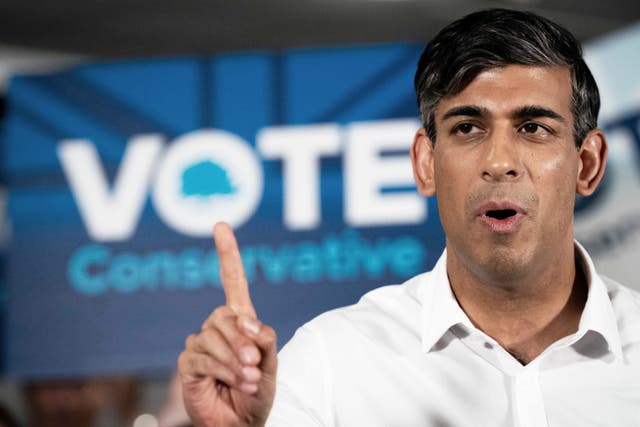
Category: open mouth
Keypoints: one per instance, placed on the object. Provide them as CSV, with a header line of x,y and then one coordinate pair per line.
x,y
501,213
501,216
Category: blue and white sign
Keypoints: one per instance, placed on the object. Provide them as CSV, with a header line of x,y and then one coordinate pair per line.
x,y
118,171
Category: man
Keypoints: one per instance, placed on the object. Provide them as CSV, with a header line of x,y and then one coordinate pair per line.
x,y
513,326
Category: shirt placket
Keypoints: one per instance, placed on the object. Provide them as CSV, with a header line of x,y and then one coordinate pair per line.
x,y
529,410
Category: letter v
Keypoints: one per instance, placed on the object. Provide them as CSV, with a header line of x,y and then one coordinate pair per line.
x,y
110,214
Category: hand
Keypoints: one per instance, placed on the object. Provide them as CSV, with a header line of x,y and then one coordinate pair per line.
x,y
228,370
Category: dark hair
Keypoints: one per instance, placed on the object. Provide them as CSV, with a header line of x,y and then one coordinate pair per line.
x,y
496,38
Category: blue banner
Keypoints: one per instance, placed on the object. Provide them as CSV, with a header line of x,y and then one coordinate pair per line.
x,y
118,171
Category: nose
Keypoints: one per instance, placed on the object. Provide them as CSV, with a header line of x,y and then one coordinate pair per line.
x,y
501,158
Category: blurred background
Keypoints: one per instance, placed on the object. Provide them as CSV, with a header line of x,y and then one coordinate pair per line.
x,y
129,128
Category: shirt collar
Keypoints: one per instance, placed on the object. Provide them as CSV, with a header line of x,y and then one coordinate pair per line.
x,y
598,314
441,311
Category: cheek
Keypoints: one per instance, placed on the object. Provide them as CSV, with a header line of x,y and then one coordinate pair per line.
x,y
557,178
564,163
450,170
451,190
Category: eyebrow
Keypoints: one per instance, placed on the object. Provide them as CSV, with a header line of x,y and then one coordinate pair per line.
x,y
535,111
522,113
465,110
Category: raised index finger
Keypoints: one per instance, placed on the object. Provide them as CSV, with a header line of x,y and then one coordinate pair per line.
x,y
234,281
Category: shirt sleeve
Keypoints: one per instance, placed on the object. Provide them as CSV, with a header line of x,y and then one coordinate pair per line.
x,y
303,389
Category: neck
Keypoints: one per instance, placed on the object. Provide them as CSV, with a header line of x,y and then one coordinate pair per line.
x,y
527,315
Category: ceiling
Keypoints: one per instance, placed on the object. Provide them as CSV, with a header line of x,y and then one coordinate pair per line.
x,y
133,28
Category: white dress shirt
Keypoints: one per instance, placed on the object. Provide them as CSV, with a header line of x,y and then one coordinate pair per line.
x,y
407,355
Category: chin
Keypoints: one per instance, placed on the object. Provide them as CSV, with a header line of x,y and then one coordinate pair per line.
x,y
504,266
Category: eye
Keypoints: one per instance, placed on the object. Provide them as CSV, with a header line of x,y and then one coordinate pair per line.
x,y
532,128
463,128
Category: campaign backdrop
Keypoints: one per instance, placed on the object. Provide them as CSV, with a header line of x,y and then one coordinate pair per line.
x,y
117,172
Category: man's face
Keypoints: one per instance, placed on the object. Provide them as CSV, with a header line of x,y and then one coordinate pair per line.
x,y
505,170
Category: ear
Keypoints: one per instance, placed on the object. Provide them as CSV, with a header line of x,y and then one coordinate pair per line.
x,y
422,157
593,158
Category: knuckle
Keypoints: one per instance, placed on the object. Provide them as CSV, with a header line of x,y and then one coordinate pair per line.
x,y
212,343
183,361
206,336
269,334
190,341
230,332
237,341
221,313
202,364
